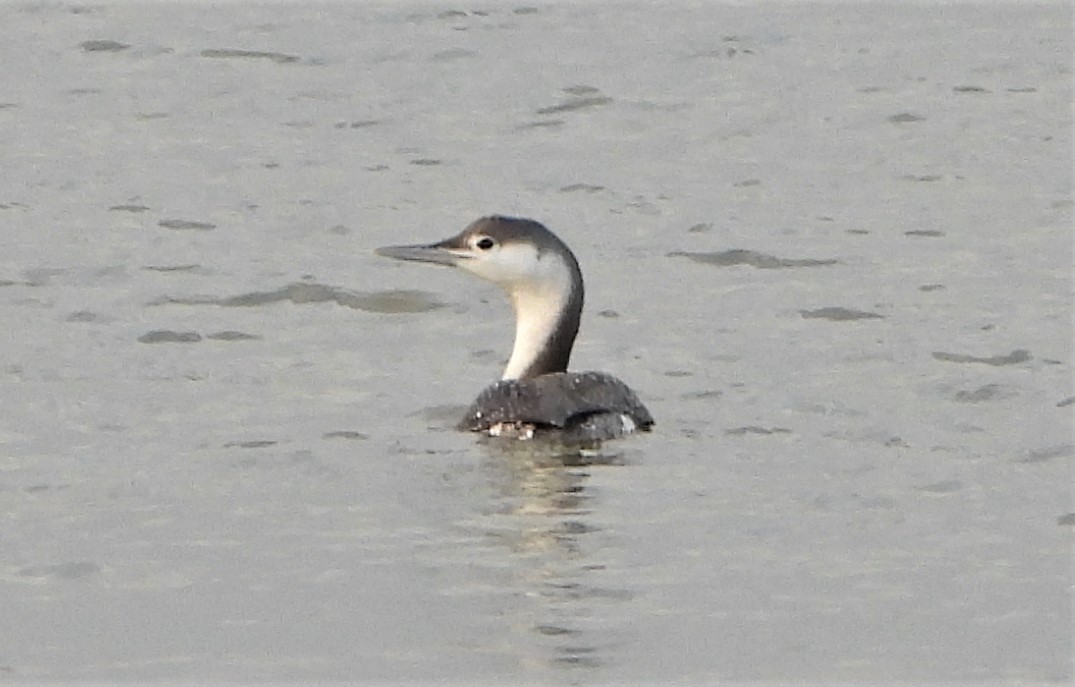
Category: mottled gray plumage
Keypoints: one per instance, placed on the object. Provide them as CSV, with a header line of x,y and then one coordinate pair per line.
x,y
560,400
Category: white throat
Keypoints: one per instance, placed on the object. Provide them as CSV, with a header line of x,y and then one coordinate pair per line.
x,y
538,311
541,286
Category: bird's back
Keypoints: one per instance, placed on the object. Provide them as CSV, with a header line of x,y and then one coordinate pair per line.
x,y
584,406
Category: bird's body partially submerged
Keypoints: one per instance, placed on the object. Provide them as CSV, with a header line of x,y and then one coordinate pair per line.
x,y
537,396
579,406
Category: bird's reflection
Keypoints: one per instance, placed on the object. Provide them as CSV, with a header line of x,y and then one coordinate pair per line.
x,y
542,508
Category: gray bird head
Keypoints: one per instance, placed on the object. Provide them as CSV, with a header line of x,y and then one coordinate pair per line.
x,y
537,270
514,253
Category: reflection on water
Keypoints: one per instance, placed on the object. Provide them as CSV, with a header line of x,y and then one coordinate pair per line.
x,y
541,513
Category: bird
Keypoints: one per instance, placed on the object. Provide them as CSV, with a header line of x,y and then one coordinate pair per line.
x,y
536,396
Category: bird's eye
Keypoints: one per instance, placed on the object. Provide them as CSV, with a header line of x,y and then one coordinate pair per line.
x,y
484,243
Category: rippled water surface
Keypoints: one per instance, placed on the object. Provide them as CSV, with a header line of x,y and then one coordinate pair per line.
x,y
829,246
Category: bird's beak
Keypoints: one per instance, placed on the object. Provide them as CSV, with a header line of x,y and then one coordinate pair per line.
x,y
437,253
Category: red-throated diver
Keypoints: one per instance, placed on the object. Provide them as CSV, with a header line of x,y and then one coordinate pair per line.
x,y
537,395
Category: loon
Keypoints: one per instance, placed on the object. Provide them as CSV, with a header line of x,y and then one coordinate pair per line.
x,y
536,396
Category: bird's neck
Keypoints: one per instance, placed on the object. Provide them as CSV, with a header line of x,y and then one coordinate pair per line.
x,y
546,322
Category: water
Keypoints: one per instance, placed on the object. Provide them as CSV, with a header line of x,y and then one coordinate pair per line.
x,y
831,253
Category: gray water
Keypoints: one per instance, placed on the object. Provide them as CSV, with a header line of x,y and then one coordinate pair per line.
x,y
829,246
